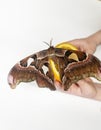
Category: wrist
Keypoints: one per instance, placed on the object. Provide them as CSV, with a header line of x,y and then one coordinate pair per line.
x,y
95,38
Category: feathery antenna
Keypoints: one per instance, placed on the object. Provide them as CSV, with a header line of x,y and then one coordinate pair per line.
x,y
49,44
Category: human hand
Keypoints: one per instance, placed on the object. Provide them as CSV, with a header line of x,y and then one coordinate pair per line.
x,y
86,87
89,43
84,44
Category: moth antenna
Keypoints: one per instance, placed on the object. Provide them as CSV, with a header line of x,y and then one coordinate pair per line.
x,y
49,44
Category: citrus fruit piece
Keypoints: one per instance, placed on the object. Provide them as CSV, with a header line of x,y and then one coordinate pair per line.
x,y
66,45
54,70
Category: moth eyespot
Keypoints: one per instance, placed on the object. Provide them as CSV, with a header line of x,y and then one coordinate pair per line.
x,y
29,61
45,69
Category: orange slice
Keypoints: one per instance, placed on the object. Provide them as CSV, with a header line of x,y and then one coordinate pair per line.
x,y
54,70
74,57
66,45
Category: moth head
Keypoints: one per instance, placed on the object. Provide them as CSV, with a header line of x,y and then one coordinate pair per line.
x,y
49,44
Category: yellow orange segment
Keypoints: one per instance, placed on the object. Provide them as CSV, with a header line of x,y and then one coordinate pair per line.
x,y
54,70
66,45
74,57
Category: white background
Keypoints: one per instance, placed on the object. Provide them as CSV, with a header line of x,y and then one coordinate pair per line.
x,y
24,24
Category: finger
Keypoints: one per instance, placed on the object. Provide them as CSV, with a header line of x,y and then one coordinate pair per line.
x,y
58,85
75,43
74,89
87,88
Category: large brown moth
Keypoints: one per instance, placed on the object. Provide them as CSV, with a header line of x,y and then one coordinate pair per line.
x,y
55,64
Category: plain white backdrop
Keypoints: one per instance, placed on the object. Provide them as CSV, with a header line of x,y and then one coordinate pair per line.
x,y
24,25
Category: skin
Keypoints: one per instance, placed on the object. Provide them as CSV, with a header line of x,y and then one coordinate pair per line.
x,y
86,87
